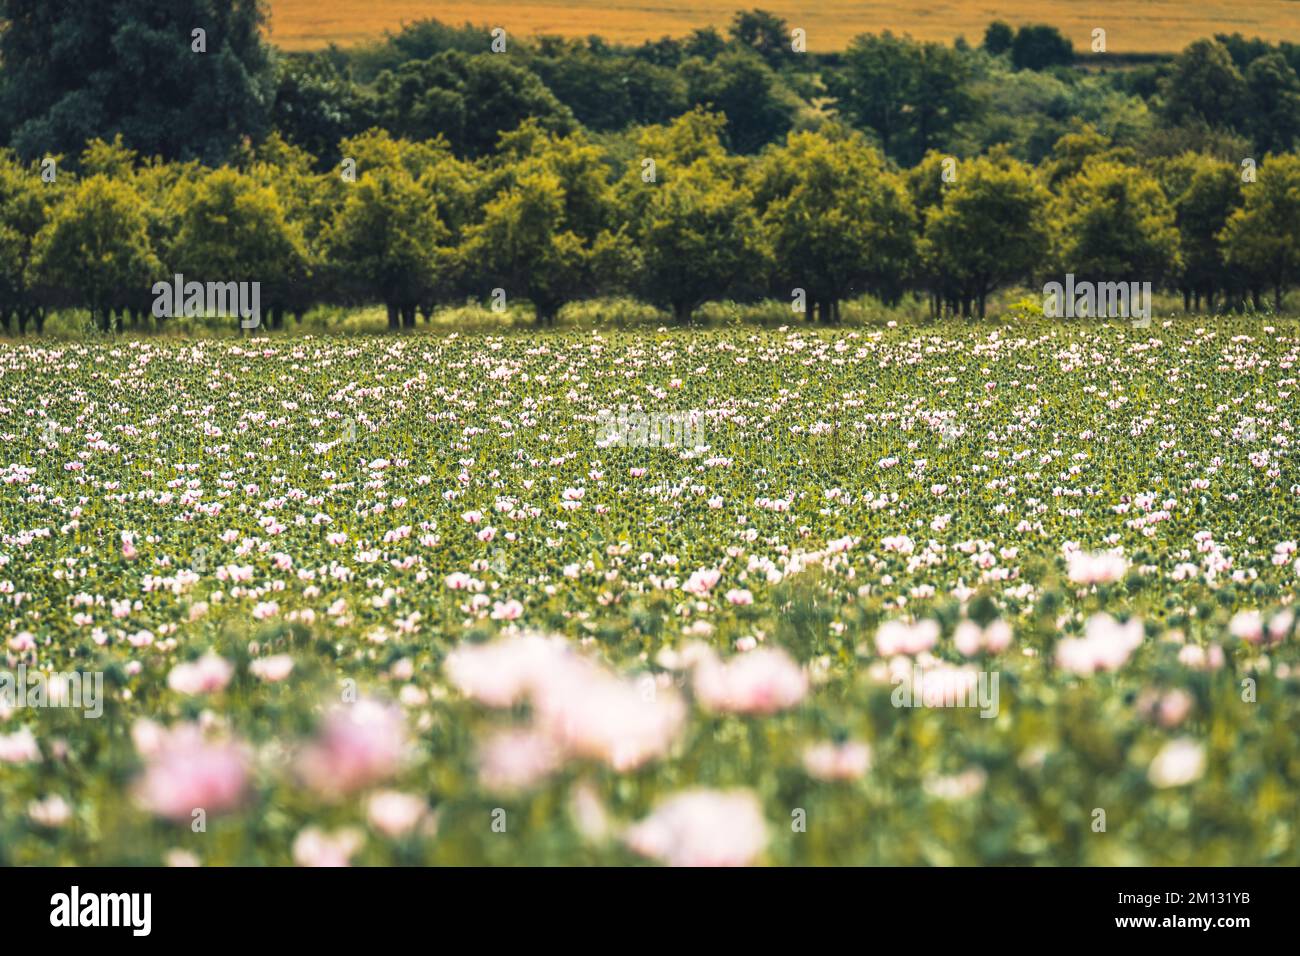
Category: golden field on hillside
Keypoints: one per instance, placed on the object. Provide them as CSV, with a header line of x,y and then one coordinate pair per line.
x,y
1132,26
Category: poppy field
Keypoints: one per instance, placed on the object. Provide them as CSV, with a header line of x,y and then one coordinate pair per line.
x,y
942,594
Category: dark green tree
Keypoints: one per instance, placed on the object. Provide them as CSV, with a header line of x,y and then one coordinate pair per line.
x,y
76,70
1273,103
471,100
1204,85
765,33
909,94
741,87
1037,47
998,37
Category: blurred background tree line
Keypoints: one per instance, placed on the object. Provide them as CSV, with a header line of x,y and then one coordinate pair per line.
x,y
426,169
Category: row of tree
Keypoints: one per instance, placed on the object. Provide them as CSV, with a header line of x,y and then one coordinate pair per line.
x,y
194,78
551,218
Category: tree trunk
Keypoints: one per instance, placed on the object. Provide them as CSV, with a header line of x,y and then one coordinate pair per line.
x,y
1277,298
682,312
408,316
982,311
394,322
1187,300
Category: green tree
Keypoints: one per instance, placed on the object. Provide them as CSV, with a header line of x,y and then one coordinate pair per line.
x,y
1114,223
1037,47
1273,103
387,242
998,37
910,94
1075,148
95,248
690,216
1262,239
705,42
612,92
838,220
470,100
1205,192
1204,84
700,241
740,86
233,229
550,228
765,33
25,203
317,104
990,230
76,71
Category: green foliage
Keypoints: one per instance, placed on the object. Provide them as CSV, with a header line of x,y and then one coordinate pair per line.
x,y
550,227
1113,222
233,229
698,239
998,37
77,71
1205,192
1204,85
742,88
386,241
909,94
971,260
765,33
838,220
95,248
469,100
1037,47
1262,238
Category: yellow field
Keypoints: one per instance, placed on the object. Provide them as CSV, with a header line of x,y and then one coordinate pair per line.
x,y
1132,26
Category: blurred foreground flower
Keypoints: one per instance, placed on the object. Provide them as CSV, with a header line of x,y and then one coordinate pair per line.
x,y
580,709
315,847
702,828
761,681
206,675
1100,568
359,744
185,772
19,747
1105,646
1178,763
830,761
51,812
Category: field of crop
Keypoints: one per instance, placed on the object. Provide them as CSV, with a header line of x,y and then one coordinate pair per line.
x,y
950,595
1158,26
